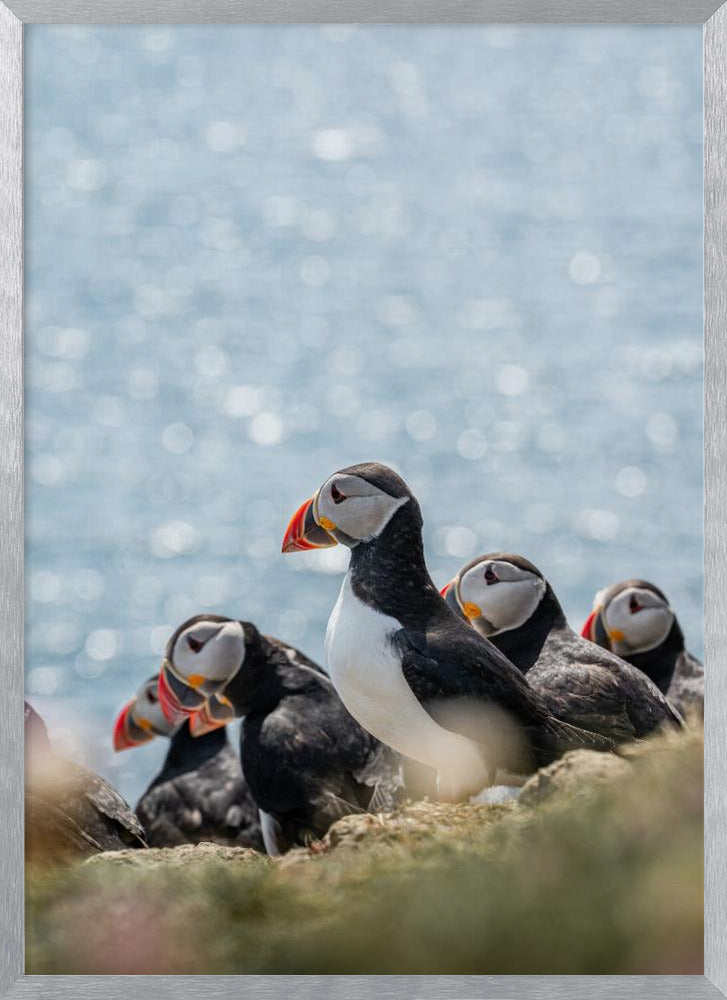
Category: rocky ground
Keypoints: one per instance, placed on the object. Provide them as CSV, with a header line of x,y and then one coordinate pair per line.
x,y
596,869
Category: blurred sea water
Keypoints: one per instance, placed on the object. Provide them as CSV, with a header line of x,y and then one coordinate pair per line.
x,y
258,254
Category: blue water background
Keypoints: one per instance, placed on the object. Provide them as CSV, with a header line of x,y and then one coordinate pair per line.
x,y
258,254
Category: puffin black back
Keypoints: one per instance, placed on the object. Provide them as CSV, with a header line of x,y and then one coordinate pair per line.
x,y
187,752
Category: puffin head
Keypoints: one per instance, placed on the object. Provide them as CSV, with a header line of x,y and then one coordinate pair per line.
x,y
201,657
496,592
352,507
629,617
141,719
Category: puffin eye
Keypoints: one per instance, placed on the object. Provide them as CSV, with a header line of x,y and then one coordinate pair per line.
x,y
490,576
634,605
152,696
336,494
194,644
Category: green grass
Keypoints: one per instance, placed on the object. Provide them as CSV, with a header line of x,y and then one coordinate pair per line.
x,y
606,883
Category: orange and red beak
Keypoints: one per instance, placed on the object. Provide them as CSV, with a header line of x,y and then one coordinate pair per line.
x,y
127,732
178,699
304,532
588,630
449,593
215,713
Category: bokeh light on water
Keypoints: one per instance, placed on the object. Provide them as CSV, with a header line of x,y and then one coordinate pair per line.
x,y
256,254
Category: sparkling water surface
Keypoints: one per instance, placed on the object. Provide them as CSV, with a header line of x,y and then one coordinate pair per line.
x,y
258,254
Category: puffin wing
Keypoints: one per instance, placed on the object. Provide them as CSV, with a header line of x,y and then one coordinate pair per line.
x,y
590,698
464,666
470,671
106,801
631,705
686,689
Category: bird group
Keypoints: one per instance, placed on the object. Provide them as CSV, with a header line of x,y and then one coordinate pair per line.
x,y
425,693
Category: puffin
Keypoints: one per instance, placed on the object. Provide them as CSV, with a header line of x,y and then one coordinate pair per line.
x,y
634,619
70,812
306,761
200,793
410,670
508,600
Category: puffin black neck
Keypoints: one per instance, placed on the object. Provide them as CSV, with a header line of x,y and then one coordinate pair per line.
x,y
265,677
659,663
187,752
523,645
389,573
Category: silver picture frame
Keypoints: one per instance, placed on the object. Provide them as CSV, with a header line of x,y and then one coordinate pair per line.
x,y
14,15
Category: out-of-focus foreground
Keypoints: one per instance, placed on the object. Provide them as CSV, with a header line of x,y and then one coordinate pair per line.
x,y
596,869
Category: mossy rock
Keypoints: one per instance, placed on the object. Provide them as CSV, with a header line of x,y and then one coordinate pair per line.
x,y
182,856
579,772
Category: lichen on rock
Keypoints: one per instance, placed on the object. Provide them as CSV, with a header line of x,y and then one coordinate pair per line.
x,y
579,772
182,856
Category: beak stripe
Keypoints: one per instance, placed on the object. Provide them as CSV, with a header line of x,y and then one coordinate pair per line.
x,y
587,630
176,697
304,532
215,713
126,732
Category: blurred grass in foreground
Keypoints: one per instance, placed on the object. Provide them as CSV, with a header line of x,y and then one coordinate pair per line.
x,y
609,882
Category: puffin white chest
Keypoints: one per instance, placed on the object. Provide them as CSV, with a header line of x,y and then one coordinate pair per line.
x,y
366,671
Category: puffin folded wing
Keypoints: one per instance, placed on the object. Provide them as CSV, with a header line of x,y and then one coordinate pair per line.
x,y
686,690
460,703
107,802
590,699
483,697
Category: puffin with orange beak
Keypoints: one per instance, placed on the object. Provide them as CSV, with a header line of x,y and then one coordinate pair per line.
x,y
141,719
305,760
634,619
508,601
200,793
405,666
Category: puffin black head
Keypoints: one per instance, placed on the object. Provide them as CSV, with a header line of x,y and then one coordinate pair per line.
x,y
202,655
353,506
496,592
629,617
141,719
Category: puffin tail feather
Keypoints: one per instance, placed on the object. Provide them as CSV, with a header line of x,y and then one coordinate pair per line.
x,y
562,737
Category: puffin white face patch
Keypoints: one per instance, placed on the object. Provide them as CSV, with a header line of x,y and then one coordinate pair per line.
x,y
598,599
147,712
498,596
637,620
355,507
208,651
